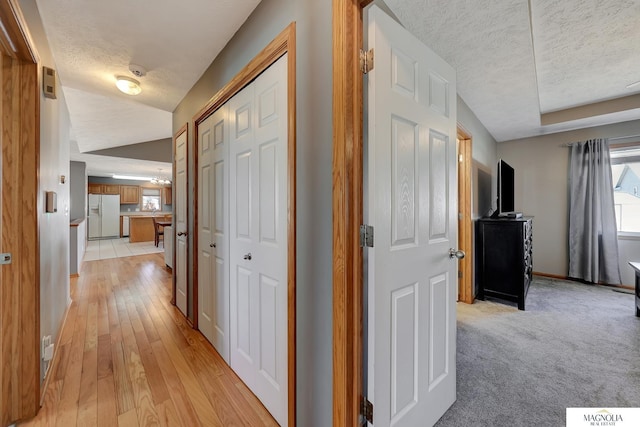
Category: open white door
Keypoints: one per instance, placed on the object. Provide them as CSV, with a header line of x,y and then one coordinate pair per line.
x,y
411,202
213,223
258,247
180,199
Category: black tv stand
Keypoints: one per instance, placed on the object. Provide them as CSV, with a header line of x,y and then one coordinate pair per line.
x,y
504,258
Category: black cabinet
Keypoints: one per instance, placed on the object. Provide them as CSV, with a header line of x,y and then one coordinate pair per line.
x,y
504,258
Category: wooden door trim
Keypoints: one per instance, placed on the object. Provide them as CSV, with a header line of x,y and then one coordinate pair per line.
x,y
184,129
465,225
285,42
17,42
19,325
347,212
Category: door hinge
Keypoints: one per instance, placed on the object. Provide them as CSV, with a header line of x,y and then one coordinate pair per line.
x,y
366,409
366,60
366,236
459,274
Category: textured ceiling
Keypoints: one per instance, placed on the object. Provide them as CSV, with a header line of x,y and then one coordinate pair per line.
x,y
102,122
515,62
94,41
585,50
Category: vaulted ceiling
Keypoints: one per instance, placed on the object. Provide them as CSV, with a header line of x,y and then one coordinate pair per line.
x,y
524,67
94,41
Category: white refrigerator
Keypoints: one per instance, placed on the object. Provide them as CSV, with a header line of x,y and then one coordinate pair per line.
x,y
104,216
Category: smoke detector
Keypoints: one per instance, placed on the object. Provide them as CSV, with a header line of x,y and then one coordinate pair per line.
x,y
137,70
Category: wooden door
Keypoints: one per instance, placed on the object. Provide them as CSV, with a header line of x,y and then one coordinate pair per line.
x,y
258,250
213,227
411,199
19,278
181,225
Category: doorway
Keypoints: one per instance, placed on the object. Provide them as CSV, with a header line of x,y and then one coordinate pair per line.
x,y
465,221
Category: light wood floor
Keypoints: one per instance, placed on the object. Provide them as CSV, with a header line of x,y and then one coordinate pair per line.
x,y
129,358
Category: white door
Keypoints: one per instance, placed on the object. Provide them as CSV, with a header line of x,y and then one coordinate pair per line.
x,y
411,202
181,242
258,237
213,265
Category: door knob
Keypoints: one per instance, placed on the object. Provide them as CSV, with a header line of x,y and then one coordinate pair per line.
x,y
182,233
456,253
212,245
248,256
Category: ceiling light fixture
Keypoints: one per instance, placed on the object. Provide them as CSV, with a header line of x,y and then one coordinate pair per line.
x,y
128,85
159,180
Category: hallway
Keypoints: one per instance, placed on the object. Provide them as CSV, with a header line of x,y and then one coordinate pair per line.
x,y
127,357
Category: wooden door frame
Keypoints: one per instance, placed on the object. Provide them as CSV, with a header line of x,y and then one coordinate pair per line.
x,y
284,43
184,129
347,200
465,222
20,285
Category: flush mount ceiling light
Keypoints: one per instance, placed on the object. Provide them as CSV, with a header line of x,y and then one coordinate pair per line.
x,y
128,85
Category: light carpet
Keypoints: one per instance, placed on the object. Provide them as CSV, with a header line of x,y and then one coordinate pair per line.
x,y
576,345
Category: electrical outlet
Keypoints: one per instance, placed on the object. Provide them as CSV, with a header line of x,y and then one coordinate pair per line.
x,y
48,353
46,342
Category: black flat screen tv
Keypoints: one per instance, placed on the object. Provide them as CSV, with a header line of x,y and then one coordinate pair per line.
x,y
506,188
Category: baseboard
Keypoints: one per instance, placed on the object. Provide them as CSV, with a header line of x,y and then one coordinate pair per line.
x,y
560,277
53,366
552,276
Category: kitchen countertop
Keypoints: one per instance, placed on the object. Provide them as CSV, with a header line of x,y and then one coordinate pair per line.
x,y
76,222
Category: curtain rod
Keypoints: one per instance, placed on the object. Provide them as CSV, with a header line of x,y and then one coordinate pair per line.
x,y
569,144
623,137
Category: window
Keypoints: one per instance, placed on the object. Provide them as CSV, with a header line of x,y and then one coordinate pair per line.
x,y
150,199
625,171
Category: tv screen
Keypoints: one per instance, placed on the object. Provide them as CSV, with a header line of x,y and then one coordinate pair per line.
x,y
506,188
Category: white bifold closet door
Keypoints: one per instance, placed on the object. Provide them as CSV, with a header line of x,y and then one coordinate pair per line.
x,y
258,237
242,151
213,226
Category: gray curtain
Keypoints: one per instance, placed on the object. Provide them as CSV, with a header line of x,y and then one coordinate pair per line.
x,y
593,237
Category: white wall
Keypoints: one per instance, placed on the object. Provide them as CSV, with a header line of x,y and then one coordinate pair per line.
x,y
542,165
54,161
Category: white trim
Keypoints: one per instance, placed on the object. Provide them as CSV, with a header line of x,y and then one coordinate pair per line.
x,y
628,235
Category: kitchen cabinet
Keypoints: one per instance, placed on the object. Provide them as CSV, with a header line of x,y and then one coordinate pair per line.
x,y
95,188
129,194
166,195
141,227
103,189
110,189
